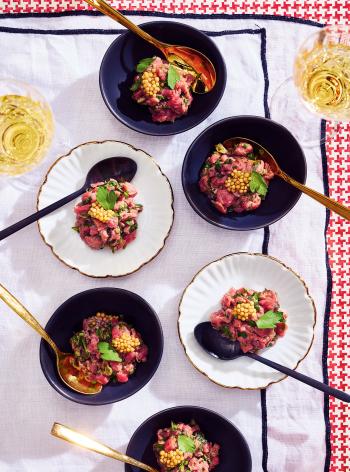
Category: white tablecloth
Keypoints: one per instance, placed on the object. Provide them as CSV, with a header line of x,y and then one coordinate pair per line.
x,y
65,68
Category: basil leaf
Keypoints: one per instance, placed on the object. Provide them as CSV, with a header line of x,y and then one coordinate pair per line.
x,y
172,77
186,444
270,319
258,184
101,196
107,354
221,149
144,63
111,199
135,85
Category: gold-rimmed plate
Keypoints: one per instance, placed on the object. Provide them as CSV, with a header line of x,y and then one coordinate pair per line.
x,y
68,174
257,271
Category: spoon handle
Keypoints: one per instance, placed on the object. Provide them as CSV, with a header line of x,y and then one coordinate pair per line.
x,y
108,10
21,311
38,214
63,432
326,201
302,378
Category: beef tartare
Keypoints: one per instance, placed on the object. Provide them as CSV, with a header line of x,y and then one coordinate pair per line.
x,y
235,180
107,349
183,448
107,214
252,318
163,88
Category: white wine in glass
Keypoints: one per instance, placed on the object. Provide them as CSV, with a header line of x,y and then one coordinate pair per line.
x,y
321,82
26,127
322,73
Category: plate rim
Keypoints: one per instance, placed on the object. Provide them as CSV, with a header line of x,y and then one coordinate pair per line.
x,y
267,256
153,133
67,155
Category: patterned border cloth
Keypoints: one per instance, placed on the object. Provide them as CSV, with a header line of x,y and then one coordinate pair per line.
x,y
337,331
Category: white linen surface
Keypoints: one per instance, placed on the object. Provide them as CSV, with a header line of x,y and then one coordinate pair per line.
x,y
65,68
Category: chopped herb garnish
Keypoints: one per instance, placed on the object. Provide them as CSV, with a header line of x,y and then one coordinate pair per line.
x,y
258,184
144,63
242,334
251,156
251,323
226,331
218,165
172,77
221,149
135,85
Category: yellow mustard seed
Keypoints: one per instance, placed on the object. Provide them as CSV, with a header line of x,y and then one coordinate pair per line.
x,y
238,181
126,343
172,458
244,311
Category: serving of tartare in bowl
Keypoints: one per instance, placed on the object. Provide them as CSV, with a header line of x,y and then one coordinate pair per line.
x,y
116,341
114,228
256,300
147,93
189,438
234,188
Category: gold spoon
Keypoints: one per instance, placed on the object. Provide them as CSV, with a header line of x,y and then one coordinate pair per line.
x,y
67,372
183,56
338,208
63,432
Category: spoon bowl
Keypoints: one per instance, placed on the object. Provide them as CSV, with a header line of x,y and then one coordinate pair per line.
x,y
67,372
226,349
266,156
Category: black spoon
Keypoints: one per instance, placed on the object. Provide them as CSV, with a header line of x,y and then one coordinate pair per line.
x,y
113,168
223,348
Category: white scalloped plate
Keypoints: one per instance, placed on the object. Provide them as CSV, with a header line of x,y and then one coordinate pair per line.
x,y
257,271
68,174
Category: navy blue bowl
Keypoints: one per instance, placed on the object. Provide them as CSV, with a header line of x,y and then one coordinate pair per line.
x,y
68,319
281,197
234,450
118,70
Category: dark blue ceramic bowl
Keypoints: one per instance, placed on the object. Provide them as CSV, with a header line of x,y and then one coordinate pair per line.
x,y
68,319
118,70
281,197
234,450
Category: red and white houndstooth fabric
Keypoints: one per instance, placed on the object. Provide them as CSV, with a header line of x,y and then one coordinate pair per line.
x,y
338,157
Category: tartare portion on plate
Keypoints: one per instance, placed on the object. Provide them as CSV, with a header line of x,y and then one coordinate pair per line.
x,y
107,215
164,88
183,448
107,349
252,318
235,180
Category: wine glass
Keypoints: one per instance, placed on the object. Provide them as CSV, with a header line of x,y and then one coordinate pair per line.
x,y
321,82
26,127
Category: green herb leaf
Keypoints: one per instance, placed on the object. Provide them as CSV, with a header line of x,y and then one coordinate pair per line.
x,y
107,354
218,165
226,331
172,77
269,319
173,426
186,444
144,63
105,198
135,85
242,334
251,156
251,323
221,149
258,184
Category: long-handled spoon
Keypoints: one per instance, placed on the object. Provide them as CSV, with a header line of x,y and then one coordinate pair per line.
x,y
182,56
338,208
223,348
63,432
66,371
112,168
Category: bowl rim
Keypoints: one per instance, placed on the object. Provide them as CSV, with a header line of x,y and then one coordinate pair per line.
x,y
195,408
254,254
114,290
69,154
155,133
223,225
